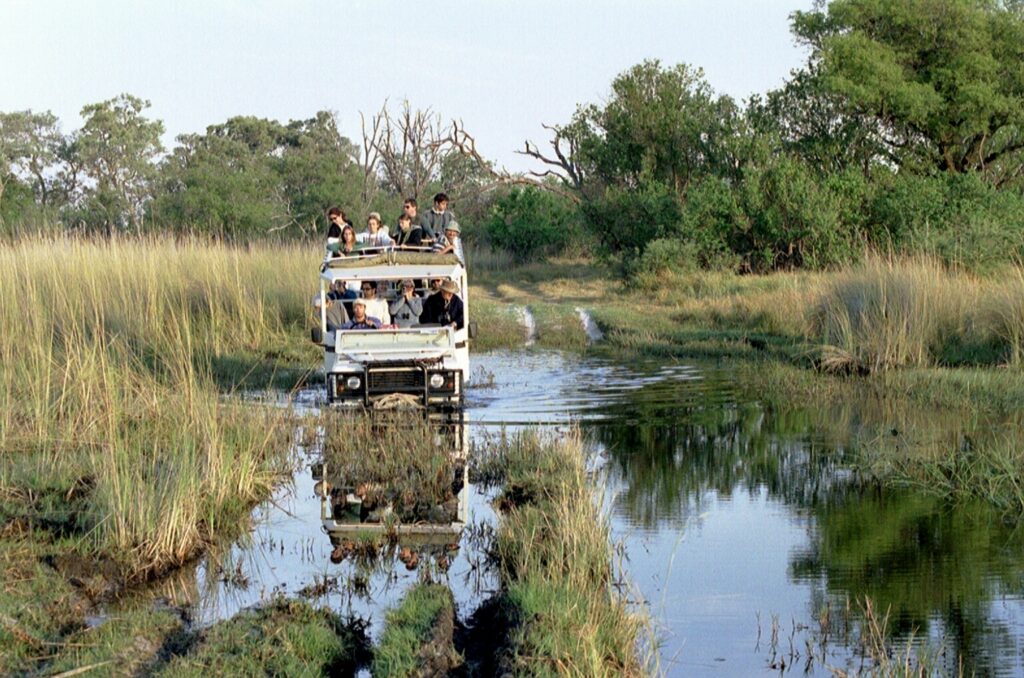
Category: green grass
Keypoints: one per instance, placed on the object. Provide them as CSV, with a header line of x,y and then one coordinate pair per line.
x,y
283,638
555,563
418,634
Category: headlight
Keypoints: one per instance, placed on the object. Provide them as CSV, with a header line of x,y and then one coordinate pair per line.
x,y
436,380
352,383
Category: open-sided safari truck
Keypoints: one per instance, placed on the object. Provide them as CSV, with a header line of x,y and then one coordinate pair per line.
x,y
425,364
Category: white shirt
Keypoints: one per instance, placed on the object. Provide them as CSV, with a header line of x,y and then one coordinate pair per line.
x,y
378,308
380,239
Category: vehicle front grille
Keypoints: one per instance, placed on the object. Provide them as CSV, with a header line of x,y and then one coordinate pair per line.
x,y
398,381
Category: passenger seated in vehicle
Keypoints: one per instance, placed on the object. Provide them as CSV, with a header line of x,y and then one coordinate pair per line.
x,y
435,286
360,320
342,290
375,306
337,316
407,307
451,242
409,235
410,208
445,308
338,222
374,237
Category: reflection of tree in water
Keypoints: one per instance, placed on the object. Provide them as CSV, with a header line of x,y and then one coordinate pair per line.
x,y
925,562
938,567
668,454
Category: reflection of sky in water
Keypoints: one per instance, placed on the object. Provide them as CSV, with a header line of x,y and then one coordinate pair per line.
x,y
729,516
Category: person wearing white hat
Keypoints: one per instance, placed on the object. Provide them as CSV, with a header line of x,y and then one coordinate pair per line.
x,y
361,321
451,241
445,307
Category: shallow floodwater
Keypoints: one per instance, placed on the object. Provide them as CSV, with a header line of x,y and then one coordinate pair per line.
x,y
743,528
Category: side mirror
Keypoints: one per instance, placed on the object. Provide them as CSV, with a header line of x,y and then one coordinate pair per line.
x,y
316,335
472,330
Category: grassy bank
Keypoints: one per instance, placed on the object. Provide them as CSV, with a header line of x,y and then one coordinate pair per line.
x,y
554,554
417,638
283,638
120,457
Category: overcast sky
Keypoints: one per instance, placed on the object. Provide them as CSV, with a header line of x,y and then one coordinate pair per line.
x,y
502,67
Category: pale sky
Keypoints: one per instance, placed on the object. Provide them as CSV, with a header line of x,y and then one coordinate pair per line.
x,y
502,67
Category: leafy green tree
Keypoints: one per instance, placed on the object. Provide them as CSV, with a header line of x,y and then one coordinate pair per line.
x,y
118,148
943,79
251,176
30,144
660,124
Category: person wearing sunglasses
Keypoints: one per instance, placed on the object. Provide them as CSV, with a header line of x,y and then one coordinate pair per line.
x,y
375,306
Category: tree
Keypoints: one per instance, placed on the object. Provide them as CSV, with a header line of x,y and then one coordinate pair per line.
x,y
118,148
943,79
30,144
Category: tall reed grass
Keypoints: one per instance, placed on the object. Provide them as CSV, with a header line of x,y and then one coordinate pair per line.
x,y
105,383
889,313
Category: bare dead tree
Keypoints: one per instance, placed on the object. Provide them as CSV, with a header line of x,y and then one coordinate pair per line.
x,y
370,154
563,164
404,151
463,142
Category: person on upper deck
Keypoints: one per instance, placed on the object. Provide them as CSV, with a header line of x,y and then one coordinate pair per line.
x,y
360,320
445,308
437,219
450,241
406,308
409,234
410,208
375,235
375,306
338,222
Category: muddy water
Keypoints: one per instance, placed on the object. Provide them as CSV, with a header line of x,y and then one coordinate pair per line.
x,y
744,530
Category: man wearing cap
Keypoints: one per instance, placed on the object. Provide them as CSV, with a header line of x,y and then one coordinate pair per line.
x,y
361,321
437,219
407,307
374,236
451,241
444,308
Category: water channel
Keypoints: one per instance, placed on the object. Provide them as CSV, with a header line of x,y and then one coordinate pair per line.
x,y
742,527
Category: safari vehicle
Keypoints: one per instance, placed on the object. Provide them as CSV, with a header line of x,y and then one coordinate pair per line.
x,y
427,365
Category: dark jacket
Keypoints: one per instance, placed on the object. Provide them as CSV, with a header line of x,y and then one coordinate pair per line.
x,y
434,224
436,313
413,237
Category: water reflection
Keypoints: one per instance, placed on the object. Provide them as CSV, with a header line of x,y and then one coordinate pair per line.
x,y
675,455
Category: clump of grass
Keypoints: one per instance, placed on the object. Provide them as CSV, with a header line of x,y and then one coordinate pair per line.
x,y
107,385
283,638
499,325
418,635
555,563
891,313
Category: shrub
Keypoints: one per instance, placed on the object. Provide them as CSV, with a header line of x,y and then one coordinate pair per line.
x,y
531,221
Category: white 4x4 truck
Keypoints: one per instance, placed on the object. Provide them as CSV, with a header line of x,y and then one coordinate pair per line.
x,y
425,363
